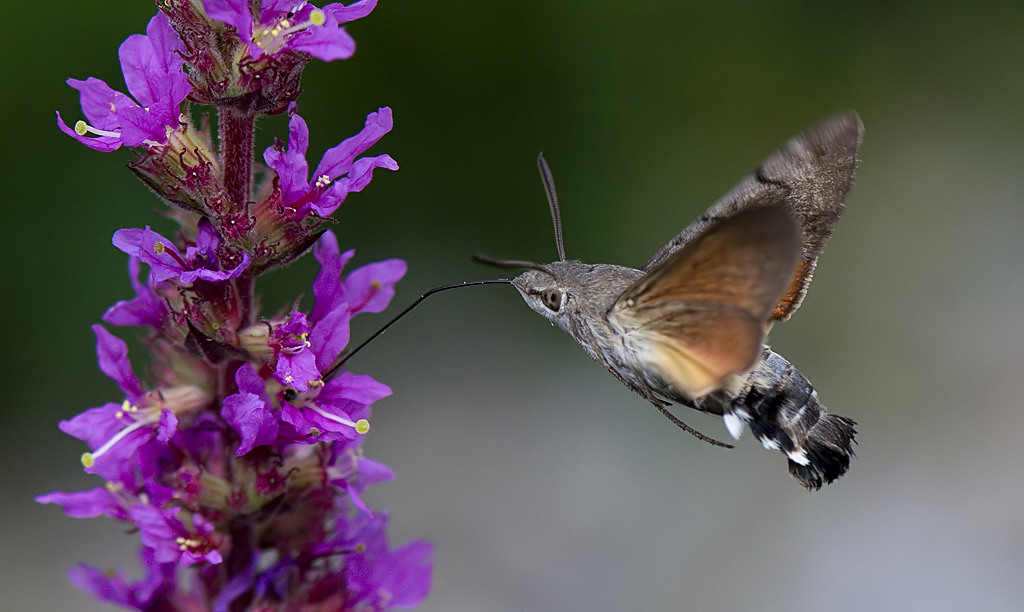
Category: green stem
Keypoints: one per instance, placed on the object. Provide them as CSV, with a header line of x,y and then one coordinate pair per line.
x,y
237,130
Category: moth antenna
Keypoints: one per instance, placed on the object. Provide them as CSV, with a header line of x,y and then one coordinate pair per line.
x,y
510,264
549,191
343,358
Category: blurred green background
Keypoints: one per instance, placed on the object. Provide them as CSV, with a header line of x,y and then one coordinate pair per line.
x,y
544,483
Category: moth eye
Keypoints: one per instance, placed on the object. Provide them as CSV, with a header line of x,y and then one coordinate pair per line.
x,y
552,299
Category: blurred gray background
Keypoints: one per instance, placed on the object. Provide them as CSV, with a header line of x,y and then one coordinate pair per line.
x,y
543,482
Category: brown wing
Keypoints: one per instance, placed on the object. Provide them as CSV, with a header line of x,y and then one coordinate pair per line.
x,y
811,176
701,314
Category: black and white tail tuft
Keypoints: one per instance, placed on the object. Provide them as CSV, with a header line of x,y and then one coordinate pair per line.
x,y
784,413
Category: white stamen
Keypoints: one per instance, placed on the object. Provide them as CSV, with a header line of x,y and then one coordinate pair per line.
x,y
82,128
118,437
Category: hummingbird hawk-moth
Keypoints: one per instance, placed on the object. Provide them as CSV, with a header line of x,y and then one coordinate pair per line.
x,y
689,326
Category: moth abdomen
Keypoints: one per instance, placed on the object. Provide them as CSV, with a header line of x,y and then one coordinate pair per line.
x,y
784,413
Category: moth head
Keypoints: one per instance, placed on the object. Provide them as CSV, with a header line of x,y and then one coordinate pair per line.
x,y
542,291
541,286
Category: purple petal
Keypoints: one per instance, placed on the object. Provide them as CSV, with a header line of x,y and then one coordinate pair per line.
x,y
249,381
208,239
356,387
105,144
249,416
152,68
298,370
329,336
215,276
371,287
290,164
336,161
103,586
94,426
327,287
357,501
140,127
362,169
356,10
145,309
232,12
167,425
156,532
100,103
409,574
112,464
87,504
143,243
113,358
276,8
327,42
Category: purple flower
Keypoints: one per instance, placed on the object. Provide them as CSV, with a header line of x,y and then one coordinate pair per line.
x,y
366,289
145,309
339,172
200,261
115,432
248,411
171,540
336,412
296,361
378,578
115,588
287,25
152,71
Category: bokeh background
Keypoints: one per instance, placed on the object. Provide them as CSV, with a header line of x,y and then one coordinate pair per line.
x,y
544,483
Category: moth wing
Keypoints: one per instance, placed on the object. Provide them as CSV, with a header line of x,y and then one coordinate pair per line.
x,y
696,351
811,175
702,313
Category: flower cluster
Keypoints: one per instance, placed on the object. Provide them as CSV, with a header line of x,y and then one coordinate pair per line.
x,y
238,460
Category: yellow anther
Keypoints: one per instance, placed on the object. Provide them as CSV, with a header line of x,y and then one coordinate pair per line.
x,y
87,460
81,128
362,426
159,248
360,548
317,18
323,180
375,285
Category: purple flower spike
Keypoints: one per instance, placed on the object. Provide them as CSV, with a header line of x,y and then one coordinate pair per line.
x,y
279,29
152,70
339,172
235,463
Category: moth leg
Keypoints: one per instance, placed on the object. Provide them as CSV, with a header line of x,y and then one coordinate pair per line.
x,y
713,442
